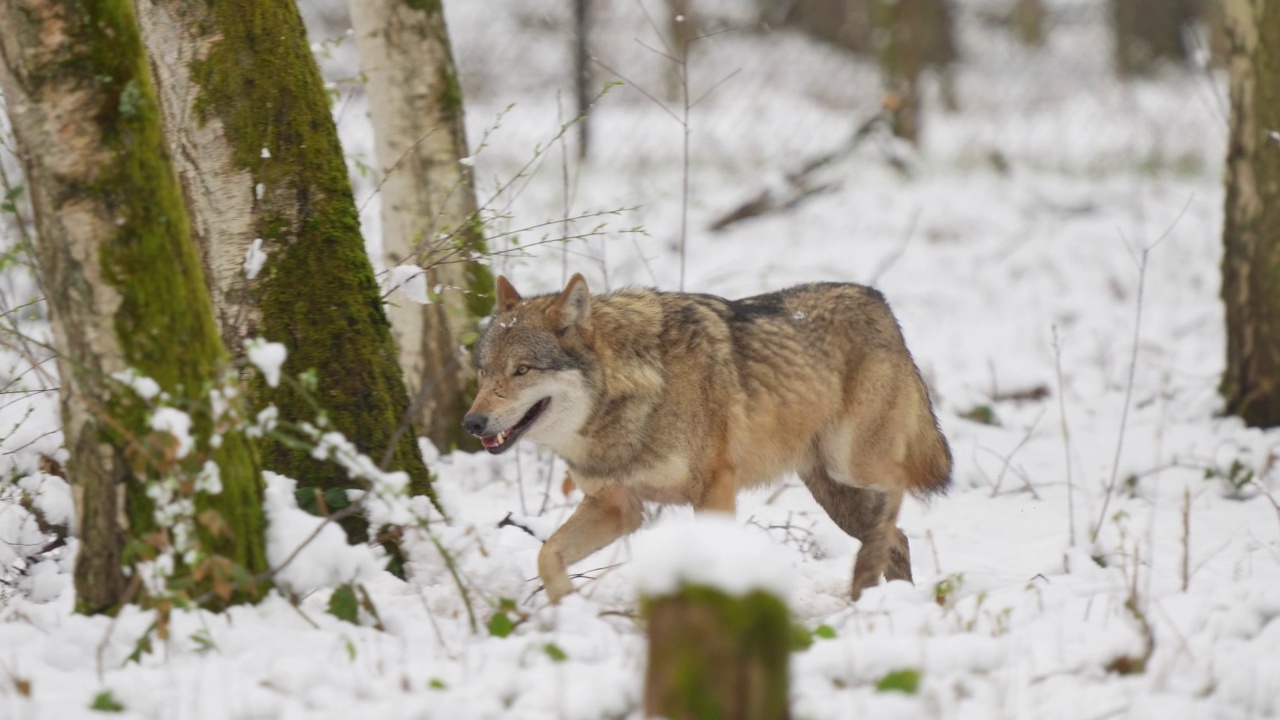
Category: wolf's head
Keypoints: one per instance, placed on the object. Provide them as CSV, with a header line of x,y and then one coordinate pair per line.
x,y
531,363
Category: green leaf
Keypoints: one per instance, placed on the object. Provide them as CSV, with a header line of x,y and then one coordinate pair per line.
x,y
436,684
14,192
906,681
306,499
344,605
336,498
825,632
500,625
106,702
141,647
506,603
554,652
204,643
366,602
981,414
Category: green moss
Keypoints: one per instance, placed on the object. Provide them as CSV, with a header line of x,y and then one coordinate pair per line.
x,y
320,298
429,6
165,321
450,91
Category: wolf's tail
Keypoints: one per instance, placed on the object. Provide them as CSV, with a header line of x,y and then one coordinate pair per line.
x,y
928,461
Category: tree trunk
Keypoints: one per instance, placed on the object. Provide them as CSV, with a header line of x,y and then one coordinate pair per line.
x,y
1251,263
429,216
260,162
1028,18
712,655
900,49
582,72
125,285
1147,31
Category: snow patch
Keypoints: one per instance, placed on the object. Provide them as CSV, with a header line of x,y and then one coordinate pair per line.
x,y
711,551
254,259
146,388
267,357
178,424
324,561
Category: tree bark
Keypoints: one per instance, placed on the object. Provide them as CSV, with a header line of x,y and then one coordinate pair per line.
x,y
1147,31
582,72
429,215
712,655
261,162
125,288
1028,18
1251,262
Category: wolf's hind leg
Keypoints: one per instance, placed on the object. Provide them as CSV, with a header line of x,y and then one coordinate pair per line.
x,y
899,558
600,519
870,516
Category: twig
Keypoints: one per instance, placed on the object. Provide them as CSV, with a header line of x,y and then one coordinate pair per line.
x,y
1009,458
1066,439
889,260
134,583
1128,392
1186,538
508,522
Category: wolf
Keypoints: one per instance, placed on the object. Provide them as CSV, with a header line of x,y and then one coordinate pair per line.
x,y
680,398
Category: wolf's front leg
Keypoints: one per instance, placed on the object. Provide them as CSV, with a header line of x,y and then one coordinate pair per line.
x,y
601,518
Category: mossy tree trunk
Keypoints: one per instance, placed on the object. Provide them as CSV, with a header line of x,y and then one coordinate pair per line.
x,y
713,655
247,110
1251,262
910,36
1148,31
429,215
125,286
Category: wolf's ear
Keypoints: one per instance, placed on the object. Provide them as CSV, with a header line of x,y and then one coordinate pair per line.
x,y
507,295
573,306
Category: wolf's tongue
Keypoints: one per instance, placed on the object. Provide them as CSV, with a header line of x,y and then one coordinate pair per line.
x,y
489,441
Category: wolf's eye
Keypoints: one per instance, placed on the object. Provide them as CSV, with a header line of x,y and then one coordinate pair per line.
x,y
522,370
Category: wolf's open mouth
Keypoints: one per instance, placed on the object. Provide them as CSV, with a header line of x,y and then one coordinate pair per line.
x,y
499,442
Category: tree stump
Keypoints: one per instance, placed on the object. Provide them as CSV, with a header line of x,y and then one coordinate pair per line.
x,y
715,655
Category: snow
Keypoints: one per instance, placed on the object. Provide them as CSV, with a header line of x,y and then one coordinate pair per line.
x,y
713,551
267,356
177,424
146,388
254,258
325,562
1008,247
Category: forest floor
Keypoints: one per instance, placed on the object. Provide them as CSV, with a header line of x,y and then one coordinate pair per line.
x,y
1110,546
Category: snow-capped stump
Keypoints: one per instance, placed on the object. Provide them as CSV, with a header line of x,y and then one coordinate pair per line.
x,y
714,594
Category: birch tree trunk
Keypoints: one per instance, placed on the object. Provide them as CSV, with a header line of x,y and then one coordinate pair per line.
x,y
1251,263
125,286
264,174
429,216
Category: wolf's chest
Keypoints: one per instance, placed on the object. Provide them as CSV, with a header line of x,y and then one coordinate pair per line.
x,y
665,480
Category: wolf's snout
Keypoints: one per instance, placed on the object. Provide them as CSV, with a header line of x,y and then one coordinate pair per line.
x,y
475,423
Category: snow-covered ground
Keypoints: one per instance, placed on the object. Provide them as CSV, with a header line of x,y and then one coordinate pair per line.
x,y
1099,518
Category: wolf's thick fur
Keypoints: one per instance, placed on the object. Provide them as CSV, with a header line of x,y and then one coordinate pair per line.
x,y
682,398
